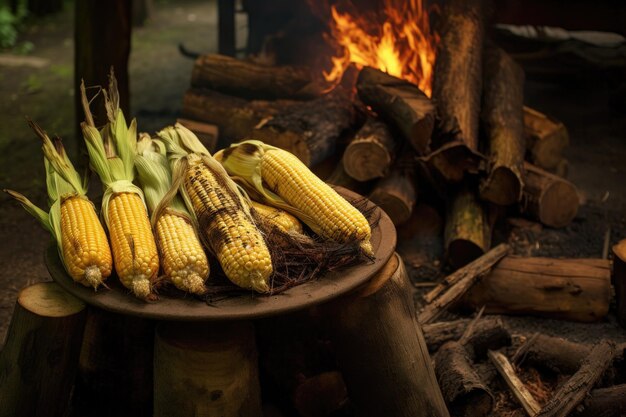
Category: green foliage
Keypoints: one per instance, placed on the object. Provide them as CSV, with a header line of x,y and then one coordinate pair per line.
x,y
8,31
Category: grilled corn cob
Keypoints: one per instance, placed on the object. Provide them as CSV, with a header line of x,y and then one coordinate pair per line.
x,y
285,182
222,212
183,259
111,154
72,219
277,217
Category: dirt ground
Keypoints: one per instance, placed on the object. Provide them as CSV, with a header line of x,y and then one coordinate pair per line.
x,y
42,89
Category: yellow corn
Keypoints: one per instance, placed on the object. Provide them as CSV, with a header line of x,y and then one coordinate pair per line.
x,y
298,190
134,249
234,239
184,261
85,246
277,217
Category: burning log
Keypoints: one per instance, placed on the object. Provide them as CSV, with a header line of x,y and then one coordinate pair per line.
x,y
520,392
465,393
467,234
396,193
502,118
400,103
619,280
40,356
546,139
458,283
548,198
605,402
457,87
370,153
554,353
377,327
576,389
251,80
569,289
308,129
489,333
207,133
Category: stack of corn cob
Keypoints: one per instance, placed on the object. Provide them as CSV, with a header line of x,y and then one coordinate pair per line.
x,y
192,200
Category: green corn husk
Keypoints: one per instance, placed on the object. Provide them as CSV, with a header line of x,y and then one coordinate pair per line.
x,y
62,182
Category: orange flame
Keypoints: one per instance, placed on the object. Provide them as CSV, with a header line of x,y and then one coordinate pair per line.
x,y
403,46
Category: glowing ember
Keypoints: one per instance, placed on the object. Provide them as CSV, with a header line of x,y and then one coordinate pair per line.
x,y
402,46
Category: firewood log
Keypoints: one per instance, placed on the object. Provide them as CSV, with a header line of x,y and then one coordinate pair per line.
x,y
340,178
570,289
548,198
619,280
40,356
370,153
467,235
400,103
546,139
207,133
554,353
457,86
502,118
250,80
397,192
381,351
464,391
489,333
604,402
206,369
115,362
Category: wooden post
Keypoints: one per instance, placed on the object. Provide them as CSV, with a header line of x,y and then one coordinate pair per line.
x,y
381,350
102,31
40,355
549,198
370,154
206,369
467,235
570,289
115,363
502,118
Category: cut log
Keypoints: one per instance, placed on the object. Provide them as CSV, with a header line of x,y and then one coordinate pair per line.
x,y
489,333
381,350
310,130
605,402
569,289
457,86
465,393
340,178
554,353
503,123
250,80
369,155
397,192
546,139
115,362
400,103
517,387
207,133
619,280
40,355
467,235
457,284
206,369
548,198
574,391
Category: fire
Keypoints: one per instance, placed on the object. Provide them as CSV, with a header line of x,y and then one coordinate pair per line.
x,y
402,46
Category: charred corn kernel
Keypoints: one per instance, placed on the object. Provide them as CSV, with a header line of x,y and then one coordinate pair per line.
x,y
85,246
277,217
236,242
299,189
183,259
134,249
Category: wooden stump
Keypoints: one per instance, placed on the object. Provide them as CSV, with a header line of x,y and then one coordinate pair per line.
x,y
40,355
569,289
381,350
549,198
115,363
206,369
